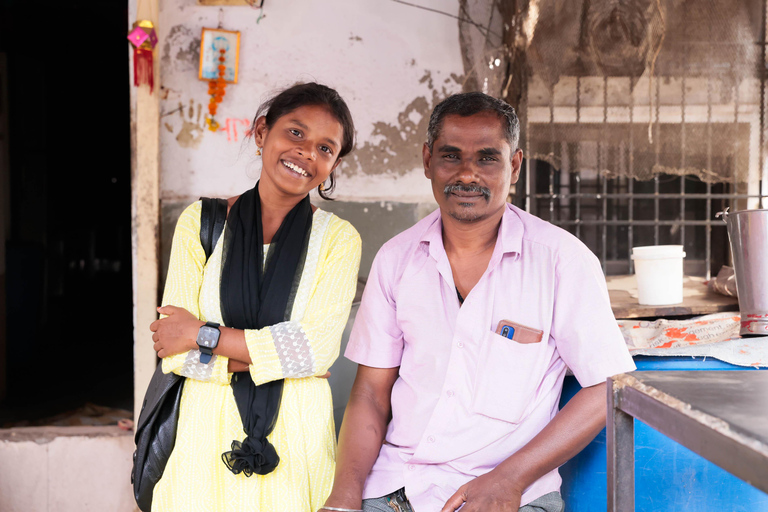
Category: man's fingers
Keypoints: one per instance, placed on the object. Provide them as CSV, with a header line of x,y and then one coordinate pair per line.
x,y
455,501
155,337
154,325
166,310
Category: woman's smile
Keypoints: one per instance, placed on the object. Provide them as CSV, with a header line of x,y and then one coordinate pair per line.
x,y
295,168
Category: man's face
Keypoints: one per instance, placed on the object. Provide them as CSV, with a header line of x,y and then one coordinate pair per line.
x,y
471,166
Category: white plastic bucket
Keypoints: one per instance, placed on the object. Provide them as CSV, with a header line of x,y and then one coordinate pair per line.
x,y
659,271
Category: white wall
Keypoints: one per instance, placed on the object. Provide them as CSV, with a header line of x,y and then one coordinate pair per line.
x,y
390,62
66,469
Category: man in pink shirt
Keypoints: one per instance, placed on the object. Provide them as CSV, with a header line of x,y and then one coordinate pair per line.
x,y
467,325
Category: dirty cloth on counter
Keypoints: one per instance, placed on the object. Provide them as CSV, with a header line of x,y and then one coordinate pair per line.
x,y
714,335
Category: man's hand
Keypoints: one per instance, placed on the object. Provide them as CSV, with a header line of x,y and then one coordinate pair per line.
x,y
176,333
234,366
490,492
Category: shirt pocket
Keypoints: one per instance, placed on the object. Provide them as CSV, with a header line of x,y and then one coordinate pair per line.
x,y
508,374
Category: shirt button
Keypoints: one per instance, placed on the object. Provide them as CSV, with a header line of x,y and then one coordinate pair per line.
x,y
412,467
450,394
431,439
460,344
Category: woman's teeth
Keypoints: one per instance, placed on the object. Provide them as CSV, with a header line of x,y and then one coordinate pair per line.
x,y
295,168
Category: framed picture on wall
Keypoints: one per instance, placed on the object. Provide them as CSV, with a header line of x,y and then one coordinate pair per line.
x,y
212,42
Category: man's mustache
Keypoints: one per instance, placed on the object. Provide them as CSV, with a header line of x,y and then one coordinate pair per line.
x,y
471,189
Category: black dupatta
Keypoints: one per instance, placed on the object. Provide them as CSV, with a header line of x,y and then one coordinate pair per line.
x,y
255,296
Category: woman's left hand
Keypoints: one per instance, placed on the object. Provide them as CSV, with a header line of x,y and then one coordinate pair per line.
x,y
176,333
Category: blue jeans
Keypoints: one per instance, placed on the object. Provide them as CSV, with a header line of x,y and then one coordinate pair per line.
x,y
398,502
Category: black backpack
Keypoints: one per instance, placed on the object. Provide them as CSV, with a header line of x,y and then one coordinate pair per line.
x,y
159,417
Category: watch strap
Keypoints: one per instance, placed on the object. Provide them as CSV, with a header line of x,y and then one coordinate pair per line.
x,y
205,358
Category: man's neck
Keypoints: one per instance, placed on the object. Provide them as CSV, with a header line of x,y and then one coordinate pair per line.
x,y
466,238
469,247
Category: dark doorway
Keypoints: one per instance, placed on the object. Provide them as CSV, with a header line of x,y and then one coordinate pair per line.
x,y
68,298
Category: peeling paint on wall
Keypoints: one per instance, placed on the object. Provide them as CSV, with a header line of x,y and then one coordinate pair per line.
x,y
397,148
186,46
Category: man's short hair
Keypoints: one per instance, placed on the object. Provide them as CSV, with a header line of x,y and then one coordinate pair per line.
x,y
471,103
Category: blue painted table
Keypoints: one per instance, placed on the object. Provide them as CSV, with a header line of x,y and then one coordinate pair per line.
x,y
668,476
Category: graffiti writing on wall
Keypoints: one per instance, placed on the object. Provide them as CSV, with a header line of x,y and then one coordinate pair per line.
x,y
235,128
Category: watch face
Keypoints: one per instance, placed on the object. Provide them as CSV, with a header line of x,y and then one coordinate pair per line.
x,y
207,336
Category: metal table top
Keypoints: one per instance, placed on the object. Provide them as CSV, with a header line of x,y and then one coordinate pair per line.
x,y
740,398
721,415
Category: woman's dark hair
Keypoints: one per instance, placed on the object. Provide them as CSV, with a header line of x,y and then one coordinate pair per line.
x,y
301,95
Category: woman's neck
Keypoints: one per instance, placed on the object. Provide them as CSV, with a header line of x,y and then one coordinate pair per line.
x,y
274,208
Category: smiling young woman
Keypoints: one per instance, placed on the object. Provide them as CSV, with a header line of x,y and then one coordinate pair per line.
x,y
300,150
256,326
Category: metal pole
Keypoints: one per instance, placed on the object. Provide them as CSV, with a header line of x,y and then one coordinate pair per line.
x,y
620,438
657,144
576,168
762,108
631,181
682,128
552,154
601,159
708,229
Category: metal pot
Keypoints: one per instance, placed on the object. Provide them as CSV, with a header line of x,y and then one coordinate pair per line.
x,y
748,233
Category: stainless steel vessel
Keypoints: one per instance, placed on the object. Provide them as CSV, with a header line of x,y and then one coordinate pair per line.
x,y
748,232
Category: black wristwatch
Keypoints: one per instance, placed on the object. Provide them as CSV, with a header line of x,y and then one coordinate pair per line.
x,y
207,340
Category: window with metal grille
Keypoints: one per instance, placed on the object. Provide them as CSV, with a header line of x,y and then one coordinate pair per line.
x,y
625,160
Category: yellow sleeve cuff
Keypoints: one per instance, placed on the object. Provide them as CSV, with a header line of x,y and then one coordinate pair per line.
x,y
220,373
174,363
265,363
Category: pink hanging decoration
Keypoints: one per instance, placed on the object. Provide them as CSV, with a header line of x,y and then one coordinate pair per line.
x,y
144,39
143,68
137,36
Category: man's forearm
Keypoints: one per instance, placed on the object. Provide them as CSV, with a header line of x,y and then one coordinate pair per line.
x,y
582,418
362,433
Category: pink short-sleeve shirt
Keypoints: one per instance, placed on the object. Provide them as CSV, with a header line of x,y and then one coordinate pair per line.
x,y
467,398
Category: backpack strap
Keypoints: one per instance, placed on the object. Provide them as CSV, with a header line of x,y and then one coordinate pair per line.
x,y
212,219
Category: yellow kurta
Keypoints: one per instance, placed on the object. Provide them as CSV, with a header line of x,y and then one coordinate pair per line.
x,y
298,350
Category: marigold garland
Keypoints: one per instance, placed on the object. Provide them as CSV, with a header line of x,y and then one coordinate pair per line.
x,y
217,89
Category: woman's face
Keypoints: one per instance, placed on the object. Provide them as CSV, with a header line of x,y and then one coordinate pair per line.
x,y
300,150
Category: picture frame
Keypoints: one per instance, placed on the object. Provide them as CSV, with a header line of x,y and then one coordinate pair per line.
x,y
212,41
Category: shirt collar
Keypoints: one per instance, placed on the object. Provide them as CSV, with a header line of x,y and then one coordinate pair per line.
x,y
433,235
511,231
510,234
